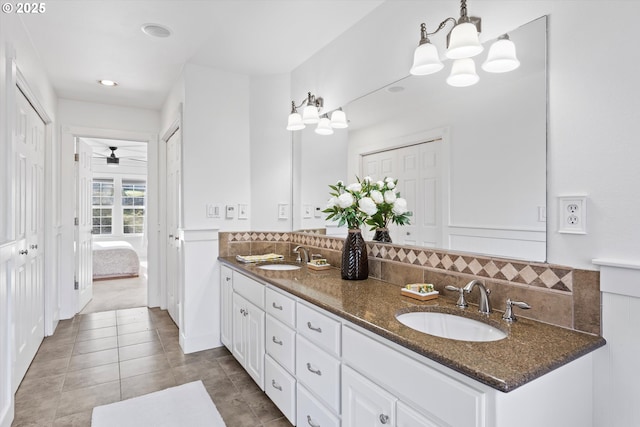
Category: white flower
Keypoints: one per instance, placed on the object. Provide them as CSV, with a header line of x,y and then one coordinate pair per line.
x,y
391,185
345,200
389,179
399,206
332,202
366,179
367,206
376,196
380,184
389,196
356,187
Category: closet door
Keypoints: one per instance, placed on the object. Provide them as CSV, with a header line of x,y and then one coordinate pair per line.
x,y
28,289
84,224
174,201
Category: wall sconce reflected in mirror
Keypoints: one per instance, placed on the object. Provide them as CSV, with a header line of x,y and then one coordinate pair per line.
x,y
311,114
463,44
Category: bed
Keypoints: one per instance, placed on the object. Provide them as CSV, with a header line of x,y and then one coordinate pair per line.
x,y
114,259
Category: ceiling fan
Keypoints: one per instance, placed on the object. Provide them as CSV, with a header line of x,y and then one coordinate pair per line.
x,y
113,160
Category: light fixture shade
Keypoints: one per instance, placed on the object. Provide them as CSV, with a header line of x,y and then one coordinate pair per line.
x,y
464,41
295,122
339,120
502,57
426,60
310,115
324,127
463,73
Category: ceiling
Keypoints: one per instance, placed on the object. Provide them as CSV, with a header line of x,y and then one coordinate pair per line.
x,y
83,41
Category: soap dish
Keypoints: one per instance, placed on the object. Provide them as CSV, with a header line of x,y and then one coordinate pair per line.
x,y
318,264
422,296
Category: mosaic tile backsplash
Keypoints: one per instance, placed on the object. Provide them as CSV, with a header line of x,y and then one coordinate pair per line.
x,y
559,295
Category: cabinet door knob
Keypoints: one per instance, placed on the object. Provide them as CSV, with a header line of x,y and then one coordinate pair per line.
x,y
318,329
276,306
311,423
228,279
24,252
276,340
384,418
275,385
315,371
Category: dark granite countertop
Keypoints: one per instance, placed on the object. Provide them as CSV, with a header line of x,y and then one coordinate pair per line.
x,y
530,350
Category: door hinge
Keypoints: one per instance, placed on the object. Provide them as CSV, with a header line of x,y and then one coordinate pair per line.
x,y
76,221
76,285
76,157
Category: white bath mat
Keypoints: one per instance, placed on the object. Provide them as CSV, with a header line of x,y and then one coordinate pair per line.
x,y
185,405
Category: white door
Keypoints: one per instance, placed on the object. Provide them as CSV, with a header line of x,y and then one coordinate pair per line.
x,y
419,172
254,323
84,254
28,290
364,403
226,301
174,162
239,337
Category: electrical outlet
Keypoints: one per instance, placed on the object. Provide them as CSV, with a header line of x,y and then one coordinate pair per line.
x,y
573,214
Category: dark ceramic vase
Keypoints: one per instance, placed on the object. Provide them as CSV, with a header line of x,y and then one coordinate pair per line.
x,y
355,264
382,235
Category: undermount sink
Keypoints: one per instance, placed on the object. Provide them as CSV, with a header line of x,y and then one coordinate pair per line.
x,y
450,326
279,267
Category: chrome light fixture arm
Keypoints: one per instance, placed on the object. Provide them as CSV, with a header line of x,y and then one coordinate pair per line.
x,y
310,99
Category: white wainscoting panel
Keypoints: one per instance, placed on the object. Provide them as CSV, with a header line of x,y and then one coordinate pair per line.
x,y
616,387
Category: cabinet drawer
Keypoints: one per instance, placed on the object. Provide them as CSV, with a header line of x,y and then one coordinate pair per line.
x,y
417,384
319,372
311,413
250,289
281,388
321,330
281,307
281,344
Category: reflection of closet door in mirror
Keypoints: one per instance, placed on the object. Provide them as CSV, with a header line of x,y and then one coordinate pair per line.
x,y
419,174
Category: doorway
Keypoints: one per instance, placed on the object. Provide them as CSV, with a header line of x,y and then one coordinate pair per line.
x,y
112,274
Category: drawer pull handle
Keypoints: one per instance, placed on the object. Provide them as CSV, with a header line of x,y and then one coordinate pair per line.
x,y
310,326
311,423
277,307
384,418
275,385
275,340
317,372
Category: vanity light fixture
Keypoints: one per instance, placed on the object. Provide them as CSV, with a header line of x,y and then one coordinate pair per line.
x,y
311,115
463,44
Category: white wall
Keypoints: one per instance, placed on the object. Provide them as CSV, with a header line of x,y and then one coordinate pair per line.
x,y
215,146
270,152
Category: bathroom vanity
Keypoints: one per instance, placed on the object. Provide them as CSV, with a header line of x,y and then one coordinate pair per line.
x,y
330,352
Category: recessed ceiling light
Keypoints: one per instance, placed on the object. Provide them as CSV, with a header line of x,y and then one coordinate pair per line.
x,y
107,82
156,30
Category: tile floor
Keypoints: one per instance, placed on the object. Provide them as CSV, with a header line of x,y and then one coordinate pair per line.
x,y
100,358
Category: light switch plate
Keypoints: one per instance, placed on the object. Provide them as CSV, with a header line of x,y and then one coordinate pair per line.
x,y
231,212
283,211
243,211
213,210
573,214
306,212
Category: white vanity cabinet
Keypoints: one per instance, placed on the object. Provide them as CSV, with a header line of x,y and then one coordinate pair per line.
x,y
243,321
226,301
280,380
365,403
248,337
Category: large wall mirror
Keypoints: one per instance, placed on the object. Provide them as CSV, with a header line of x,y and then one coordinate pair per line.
x,y
471,162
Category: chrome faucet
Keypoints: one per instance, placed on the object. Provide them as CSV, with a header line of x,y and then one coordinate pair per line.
x,y
305,252
484,305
